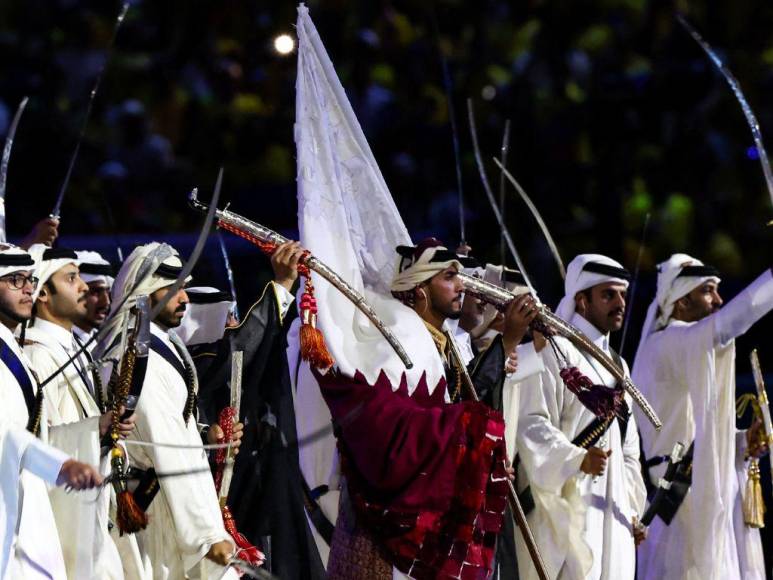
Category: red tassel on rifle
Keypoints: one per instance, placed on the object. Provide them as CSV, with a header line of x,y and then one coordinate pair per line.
x,y
313,348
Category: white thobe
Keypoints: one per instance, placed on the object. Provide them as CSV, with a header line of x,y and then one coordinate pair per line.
x,y
185,518
687,372
73,418
30,542
581,523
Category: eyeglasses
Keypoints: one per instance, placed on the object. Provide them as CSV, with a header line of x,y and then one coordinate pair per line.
x,y
18,281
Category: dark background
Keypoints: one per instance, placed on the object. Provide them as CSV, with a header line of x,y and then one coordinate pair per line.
x,y
615,113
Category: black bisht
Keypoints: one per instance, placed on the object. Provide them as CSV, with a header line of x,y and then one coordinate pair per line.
x,y
266,495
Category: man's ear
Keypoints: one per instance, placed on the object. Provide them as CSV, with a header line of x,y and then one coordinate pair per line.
x,y
681,305
43,295
580,303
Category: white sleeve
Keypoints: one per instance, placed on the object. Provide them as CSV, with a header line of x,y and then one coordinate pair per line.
x,y
741,312
547,454
43,460
529,362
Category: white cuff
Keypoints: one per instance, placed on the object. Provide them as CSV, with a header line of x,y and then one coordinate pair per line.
x,y
43,460
283,299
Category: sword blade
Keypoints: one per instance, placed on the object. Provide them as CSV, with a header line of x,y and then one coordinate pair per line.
x,y
55,213
4,163
197,249
492,200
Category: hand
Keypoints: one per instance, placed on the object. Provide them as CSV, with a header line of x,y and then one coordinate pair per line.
x,y
78,475
510,472
125,426
221,552
519,314
757,445
511,362
639,531
595,461
284,261
44,232
216,435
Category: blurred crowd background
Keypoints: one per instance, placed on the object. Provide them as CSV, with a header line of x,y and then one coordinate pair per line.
x,y
615,113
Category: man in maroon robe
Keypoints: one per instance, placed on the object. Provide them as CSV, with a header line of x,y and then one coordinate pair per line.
x,y
425,480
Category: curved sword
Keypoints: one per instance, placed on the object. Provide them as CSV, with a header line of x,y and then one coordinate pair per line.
x,y
4,163
197,249
492,200
504,151
535,212
735,86
58,205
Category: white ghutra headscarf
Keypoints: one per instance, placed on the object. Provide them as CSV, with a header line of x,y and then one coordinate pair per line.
x,y
587,271
148,268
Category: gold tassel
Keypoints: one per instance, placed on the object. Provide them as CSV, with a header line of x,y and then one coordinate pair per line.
x,y
753,504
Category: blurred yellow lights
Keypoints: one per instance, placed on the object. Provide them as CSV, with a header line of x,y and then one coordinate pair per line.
x,y
284,44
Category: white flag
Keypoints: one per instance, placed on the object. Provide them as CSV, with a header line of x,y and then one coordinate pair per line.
x,y
347,219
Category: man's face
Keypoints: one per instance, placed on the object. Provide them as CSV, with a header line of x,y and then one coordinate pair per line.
x,y
699,303
444,293
606,307
172,314
16,303
97,304
65,294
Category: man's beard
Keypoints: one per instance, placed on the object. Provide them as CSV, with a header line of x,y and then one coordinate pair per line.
x,y
170,320
8,312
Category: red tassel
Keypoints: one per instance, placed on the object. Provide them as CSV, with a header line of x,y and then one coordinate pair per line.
x,y
245,550
129,516
313,348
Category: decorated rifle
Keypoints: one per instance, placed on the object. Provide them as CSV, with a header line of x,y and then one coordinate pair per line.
x,y
312,343
548,323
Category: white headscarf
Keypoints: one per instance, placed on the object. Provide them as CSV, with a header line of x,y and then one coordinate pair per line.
x,y
670,288
139,276
205,316
417,265
578,278
14,259
94,268
48,261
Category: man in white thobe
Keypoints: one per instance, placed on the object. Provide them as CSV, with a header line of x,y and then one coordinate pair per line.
x,y
186,537
98,274
587,496
72,399
29,538
685,366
